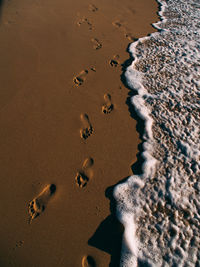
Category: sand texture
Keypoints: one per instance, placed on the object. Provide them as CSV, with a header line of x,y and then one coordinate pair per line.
x,y
67,133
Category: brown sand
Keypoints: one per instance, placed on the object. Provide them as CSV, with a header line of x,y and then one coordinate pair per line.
x,y
58,60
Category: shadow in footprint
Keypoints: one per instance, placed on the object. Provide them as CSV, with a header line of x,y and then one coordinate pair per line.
x,y
114,62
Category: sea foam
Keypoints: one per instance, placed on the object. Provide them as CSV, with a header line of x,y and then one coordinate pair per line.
x,y
160,209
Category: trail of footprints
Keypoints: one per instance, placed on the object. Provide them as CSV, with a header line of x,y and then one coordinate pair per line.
x,y
87,21
87,129
38,204
82,176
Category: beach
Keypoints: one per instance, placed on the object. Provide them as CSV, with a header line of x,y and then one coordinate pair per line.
x,y
67,133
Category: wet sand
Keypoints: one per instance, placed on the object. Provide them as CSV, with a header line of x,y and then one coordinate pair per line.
x,y
66,135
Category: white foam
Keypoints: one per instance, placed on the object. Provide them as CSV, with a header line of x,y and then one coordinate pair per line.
x,y
160,209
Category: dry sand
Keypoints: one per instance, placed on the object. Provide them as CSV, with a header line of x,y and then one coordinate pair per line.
x,y
60,68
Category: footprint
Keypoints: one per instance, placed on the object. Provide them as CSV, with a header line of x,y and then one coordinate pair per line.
x,y
97,45
87,22
114,62
19,244
124,29
88,261
93,69
80,78
130,37
82,177
117,24
108,106
88,163
93,8
87,127
39,203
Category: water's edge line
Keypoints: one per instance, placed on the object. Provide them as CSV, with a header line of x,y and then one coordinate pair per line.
x,y
124,212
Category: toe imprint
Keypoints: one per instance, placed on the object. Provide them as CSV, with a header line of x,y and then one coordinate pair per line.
x,y
88,261
39,203
108,106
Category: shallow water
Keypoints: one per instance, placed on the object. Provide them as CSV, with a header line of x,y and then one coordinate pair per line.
x,y
160,209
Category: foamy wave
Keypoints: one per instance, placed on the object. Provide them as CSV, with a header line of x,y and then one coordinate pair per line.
x,y
160,209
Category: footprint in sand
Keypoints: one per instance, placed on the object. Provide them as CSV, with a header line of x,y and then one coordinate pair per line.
x,y
93,8
86,22
115,61
88,163
87,127
88,261
93,69
96,44
117,24
80,78
82,177
19,244
108,106
130,37
39,203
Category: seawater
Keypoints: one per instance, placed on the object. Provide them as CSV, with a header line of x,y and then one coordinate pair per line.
x,y
160,209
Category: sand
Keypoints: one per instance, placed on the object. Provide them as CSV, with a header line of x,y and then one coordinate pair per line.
x,y
66,135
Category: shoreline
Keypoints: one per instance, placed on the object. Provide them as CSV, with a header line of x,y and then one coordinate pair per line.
x,y
50,83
